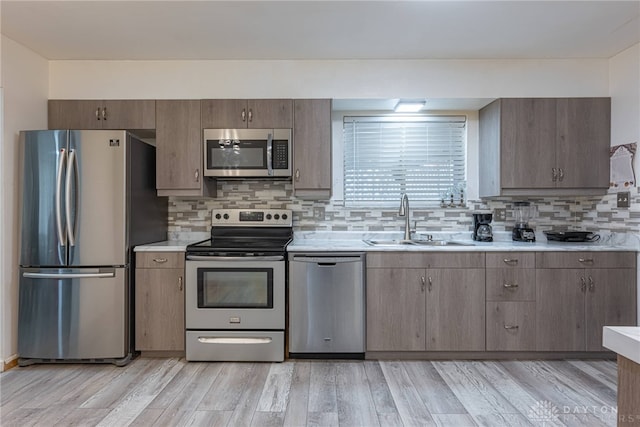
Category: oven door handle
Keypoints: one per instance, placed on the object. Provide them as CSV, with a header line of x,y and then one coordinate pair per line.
x,y
226,258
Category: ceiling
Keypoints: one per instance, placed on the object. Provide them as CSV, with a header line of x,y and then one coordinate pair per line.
x,y
188,30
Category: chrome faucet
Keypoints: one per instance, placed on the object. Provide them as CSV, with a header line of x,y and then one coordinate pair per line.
x,y
404,211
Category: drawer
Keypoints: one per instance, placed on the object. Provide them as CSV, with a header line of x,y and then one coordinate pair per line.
x,y
586,260
511,326
159,259
511,259
504,284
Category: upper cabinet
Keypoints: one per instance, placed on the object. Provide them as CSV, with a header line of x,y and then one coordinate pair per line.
x,y
312,148
538,146
247,113
102,114
179,150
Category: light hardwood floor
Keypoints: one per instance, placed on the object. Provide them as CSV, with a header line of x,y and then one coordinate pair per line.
x,y
168,392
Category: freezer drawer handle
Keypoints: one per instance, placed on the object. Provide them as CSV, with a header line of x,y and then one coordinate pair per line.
x,y
69,275
234,340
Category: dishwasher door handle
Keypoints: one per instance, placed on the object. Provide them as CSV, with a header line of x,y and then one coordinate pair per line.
x,y
326,261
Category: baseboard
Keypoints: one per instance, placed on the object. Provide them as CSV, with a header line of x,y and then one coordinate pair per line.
x,y
11,362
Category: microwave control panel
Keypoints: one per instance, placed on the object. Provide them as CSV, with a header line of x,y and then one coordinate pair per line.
x,y
280,154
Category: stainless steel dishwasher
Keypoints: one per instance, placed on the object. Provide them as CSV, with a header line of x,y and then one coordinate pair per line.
x,y
326,305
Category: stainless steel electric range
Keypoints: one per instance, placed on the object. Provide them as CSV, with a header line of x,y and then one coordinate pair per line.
x,y
235,287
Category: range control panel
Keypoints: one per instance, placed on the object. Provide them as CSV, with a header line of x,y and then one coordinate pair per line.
x,y
252,217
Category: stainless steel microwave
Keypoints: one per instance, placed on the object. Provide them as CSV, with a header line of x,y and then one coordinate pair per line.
x,y
247,153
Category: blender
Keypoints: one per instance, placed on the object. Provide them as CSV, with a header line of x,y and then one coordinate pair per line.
x,y
523,212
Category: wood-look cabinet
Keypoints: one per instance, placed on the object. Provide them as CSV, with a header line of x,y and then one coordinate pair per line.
x,y
247,113
534,146
312,148
425,301
179,150
101,114
159,301
510,308
577,293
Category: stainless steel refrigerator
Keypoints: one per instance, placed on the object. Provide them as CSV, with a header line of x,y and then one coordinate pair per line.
x,y
88,197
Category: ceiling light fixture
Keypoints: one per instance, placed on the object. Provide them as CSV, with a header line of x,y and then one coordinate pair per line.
x,y
409,106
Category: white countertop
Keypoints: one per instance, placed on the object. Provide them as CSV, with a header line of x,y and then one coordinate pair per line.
x,y
353,241
624,340
165,246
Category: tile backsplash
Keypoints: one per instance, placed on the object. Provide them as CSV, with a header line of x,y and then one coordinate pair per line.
x,y
191,216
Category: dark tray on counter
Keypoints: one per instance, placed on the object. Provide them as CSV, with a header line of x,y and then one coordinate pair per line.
x,y
572,236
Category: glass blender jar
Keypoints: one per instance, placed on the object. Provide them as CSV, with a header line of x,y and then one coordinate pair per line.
x,y
523,212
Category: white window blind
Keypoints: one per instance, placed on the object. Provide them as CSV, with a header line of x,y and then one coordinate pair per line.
x,y
384,156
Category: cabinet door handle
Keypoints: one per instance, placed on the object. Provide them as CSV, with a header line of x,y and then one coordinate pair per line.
x,y
592,285
510,285
250,114
98,113
244,115
180,283
423,280
510,261
430,283
297,175
583,286
554,174
196,175
586,260
510,327
104,113
160,260
560,174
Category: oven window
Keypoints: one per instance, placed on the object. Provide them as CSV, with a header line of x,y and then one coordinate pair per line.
x,y
235,288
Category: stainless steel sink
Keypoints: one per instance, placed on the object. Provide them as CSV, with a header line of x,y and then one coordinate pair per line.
x,y
397,242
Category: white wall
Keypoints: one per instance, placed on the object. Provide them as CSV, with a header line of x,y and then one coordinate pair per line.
x,y
25,87
624,89
331,79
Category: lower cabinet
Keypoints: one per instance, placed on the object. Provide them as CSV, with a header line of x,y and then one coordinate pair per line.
x,y
497,301
573,304
511,301
159,301
428,308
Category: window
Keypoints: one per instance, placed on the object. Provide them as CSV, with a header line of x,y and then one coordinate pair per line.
x,y
423,156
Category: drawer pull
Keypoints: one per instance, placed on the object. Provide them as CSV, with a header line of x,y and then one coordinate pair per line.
x,y
510,285
160,260
586,260
511,327
510,261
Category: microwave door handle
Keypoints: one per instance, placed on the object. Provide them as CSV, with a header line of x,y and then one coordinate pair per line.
x,y
270,154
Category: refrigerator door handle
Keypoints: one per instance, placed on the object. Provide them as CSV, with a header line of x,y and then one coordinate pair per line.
x,y
69,275
61,232
72,222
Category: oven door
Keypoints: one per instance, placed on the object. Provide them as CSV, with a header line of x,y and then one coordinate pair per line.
x,y
247,153
235,293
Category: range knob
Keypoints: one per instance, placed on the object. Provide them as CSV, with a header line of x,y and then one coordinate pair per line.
x,y
218,216
276,217
268,216
284,216
226,216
